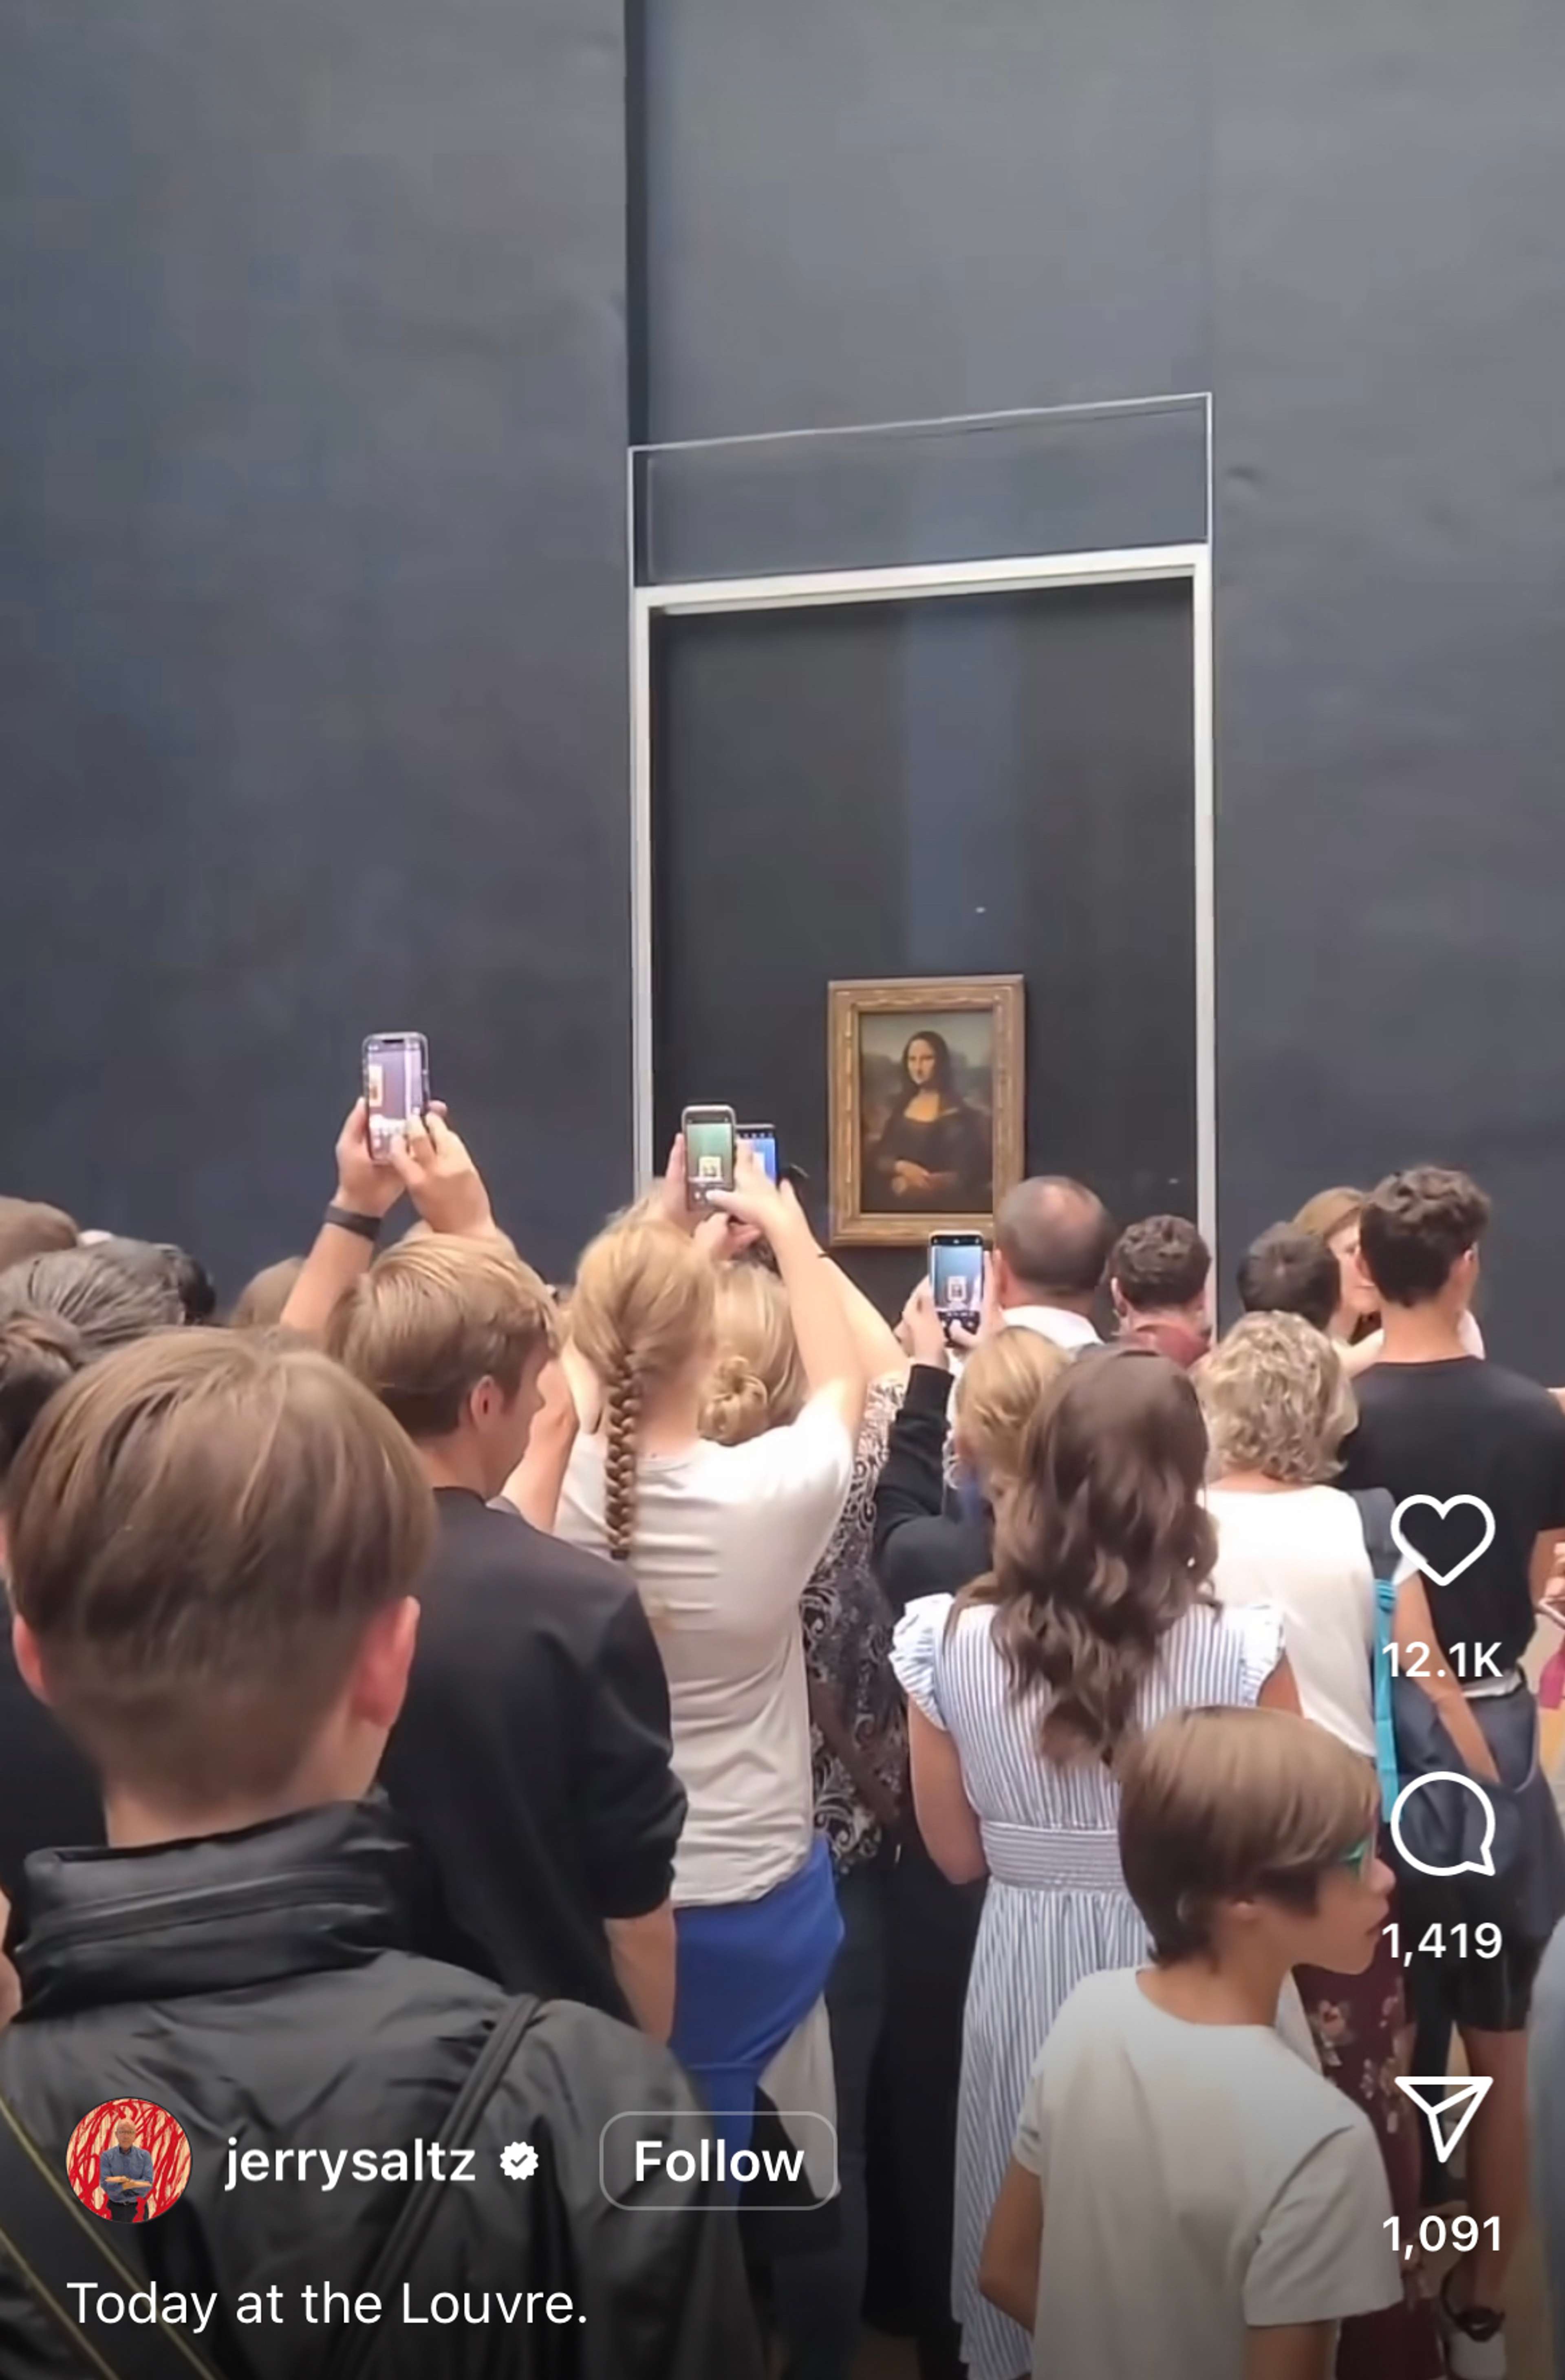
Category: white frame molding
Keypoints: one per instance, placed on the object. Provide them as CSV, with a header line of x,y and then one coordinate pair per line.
x,y
1008,575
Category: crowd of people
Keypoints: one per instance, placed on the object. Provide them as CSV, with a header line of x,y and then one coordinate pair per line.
x,y
440,1704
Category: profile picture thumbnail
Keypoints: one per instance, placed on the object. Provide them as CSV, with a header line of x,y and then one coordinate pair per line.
x,y
128,2161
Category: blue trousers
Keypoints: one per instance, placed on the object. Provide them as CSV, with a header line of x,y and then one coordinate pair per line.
x,y
747,1975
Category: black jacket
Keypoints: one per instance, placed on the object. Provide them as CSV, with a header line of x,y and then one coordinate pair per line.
x,y
48,1793
532,1758
920,1548
260,1986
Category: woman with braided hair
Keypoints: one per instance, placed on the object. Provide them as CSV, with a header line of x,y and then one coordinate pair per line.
x,y
721,1541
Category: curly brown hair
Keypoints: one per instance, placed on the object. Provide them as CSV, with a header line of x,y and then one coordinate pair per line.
x,y
1414,1228
1102,1546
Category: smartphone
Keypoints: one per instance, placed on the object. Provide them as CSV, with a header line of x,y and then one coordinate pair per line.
x,y
762,1139
710,1135
956,1274
396,1086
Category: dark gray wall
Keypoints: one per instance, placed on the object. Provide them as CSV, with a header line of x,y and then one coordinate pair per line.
x,y
821,745
1344,223
312,393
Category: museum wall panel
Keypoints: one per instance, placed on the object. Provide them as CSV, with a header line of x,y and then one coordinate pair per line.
x,y
313,645
1344,223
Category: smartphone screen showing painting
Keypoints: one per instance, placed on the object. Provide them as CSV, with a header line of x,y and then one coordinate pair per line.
x,y
925,1105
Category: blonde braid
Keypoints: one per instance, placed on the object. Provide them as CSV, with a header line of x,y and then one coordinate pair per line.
x,y
641,1315
622,1427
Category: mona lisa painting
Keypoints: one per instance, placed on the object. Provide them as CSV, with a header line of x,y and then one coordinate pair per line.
x,y
927,1128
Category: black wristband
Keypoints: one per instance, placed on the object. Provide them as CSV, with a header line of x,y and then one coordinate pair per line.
x,y
363,1227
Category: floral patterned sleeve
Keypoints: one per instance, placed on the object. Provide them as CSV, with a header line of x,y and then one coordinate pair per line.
x,y
847,1631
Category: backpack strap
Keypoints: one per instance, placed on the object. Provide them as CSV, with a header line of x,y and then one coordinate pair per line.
x,y
51,2241
407,2236
1375,1507
1387,1763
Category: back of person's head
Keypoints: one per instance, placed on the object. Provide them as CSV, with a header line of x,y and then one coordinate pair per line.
x,y
757,1381
108,1305
1232,1804
1001,1389
1277,1400
1053,1237
1415,1229
418,1230
29,1228
1290,1271
202,1528
1103,1544
260,1302
58,1312
433,1319
1329,1211
643,1314
39,1353
1159,1265
155,1261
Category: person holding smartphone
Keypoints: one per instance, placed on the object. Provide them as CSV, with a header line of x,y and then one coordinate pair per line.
x,y
860,1756
721,1541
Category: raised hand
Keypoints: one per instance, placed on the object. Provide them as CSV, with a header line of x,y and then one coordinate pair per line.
x,y
771,1213
431,1163
922,1331
363,1187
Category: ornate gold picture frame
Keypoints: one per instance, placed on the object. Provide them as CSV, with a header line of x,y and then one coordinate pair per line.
x,y
927,1093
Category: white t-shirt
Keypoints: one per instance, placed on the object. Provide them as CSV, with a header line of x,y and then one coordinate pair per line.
x,y
726,1537
1197,2180
1067,1329
1301,1550
1467,1330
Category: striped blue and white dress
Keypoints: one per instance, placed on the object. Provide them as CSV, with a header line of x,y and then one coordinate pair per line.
x,y
1057,1908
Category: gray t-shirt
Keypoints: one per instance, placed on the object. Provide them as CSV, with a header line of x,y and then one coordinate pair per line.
x,y
1197,2180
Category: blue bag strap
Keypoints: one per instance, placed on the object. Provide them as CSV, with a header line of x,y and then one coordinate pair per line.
x,y
1384,1722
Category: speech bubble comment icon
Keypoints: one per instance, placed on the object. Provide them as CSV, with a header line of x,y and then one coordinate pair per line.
x,y
1485,1863
1442,1511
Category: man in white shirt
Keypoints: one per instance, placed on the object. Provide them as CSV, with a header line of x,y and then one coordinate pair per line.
x,y
1052,1242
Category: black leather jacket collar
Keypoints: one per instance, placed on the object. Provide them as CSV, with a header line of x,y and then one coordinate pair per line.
x,y
333,1886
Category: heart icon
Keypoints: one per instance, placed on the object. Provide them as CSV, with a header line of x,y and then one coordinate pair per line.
x,y
1443,1577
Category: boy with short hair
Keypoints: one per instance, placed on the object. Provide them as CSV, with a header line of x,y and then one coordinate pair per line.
x,y
1287,1270
1159,1279
1440,1424
213,1537
533,1755
1187,2197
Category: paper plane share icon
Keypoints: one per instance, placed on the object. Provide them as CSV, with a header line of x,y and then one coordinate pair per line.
x,y
1450,2102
